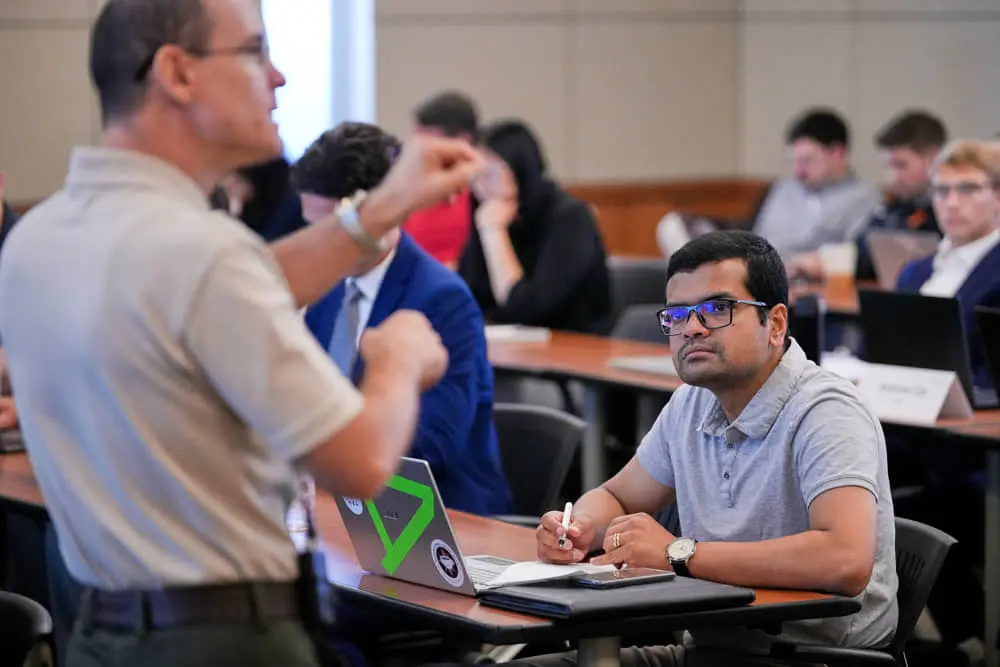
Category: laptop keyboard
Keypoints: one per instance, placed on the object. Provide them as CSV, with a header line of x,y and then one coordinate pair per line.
x,y
484,569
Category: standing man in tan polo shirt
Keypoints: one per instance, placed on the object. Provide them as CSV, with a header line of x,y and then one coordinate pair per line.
x,y
167,387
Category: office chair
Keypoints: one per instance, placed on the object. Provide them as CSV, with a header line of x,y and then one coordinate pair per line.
x,y
635,280
537,446
920,553
27,627
638,323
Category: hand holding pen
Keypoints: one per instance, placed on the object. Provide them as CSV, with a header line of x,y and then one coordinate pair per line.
x,y
564,537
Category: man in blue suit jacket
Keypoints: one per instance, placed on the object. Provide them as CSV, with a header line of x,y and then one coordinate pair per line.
x,y
966,201
455,433
964,189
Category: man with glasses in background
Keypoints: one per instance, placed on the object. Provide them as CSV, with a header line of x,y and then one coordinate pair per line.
x,y
965,192
777,467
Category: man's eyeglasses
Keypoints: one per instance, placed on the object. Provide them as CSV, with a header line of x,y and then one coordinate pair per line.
x,y
963,189
258,50
714,314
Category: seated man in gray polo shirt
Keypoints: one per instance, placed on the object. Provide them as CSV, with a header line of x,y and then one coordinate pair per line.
x,y
777,467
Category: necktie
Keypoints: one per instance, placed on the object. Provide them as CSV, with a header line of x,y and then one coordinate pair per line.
x,y
343,343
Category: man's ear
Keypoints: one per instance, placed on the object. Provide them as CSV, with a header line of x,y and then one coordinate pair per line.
x,y
171,72
779,324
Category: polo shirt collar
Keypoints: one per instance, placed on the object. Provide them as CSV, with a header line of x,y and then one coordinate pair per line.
x,y
763,409
99,167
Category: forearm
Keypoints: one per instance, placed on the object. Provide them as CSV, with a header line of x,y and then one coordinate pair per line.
x,y
359,460
813,560
601,507
392,403
318,257
501,263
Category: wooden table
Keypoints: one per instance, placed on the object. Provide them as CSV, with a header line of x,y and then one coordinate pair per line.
x,y
840,297
467,617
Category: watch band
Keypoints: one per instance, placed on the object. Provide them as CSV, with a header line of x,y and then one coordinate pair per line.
x,y
350,220
680,567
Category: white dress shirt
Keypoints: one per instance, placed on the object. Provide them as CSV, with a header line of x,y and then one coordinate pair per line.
x,y
369,285
952,266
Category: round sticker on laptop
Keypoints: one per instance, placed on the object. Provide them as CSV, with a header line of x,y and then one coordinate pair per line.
x,y
446,563
355,505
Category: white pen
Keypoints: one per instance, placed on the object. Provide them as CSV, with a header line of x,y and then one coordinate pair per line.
x,y
567,515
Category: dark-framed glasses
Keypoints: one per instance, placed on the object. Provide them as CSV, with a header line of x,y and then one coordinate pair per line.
x,y
712,314
257,49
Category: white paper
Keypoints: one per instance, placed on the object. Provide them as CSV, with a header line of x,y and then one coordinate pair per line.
x,y
846,365
515,333
528,572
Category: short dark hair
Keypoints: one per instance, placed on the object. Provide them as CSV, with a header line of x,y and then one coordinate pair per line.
x,y
452,112
914,129
824,126
766,279
126,36
350,157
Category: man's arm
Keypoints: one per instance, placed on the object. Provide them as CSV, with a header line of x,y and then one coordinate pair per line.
x,y
429,169
631,491
837,461
836,554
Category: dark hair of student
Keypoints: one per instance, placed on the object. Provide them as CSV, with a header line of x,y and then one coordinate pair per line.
x,y
766,279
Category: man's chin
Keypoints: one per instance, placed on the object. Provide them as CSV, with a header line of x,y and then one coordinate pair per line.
x,y
697,376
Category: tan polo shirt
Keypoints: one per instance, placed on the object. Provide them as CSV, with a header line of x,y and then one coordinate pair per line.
x,y
165,381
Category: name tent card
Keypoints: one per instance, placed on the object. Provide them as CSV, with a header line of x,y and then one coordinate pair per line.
x,y
913,395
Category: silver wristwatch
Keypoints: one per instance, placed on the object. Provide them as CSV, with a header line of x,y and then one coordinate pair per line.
x,y
679,552
350,220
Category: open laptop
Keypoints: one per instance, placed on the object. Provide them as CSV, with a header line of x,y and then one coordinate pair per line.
x,y
988,320
405,533
892,249
908,329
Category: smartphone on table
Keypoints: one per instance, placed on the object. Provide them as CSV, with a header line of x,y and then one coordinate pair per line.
x,y
628,576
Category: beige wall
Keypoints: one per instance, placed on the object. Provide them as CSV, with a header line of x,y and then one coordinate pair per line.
x,y
630,89
600,79
46,105
618,89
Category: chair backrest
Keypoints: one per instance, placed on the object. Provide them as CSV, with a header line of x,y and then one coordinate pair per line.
x,y
920,553
639,323
807,324
635,280
537,446
25,623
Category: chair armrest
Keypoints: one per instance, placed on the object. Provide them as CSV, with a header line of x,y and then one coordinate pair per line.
x,y
519,520
830,655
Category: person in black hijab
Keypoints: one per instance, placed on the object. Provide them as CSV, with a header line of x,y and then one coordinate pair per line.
x,y
535,256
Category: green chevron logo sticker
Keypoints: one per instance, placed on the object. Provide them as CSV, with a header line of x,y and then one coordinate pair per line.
x,y
396,552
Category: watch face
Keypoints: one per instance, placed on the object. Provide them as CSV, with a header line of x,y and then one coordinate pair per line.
x,y
681,549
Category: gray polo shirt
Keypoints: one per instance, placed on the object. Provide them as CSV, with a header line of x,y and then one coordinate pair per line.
x,y
166,383
805,432
796,219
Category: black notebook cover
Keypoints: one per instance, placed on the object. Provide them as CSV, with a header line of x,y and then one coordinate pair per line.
x,y
562,600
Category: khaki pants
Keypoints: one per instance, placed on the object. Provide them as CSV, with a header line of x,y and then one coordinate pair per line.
x,y
280,643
